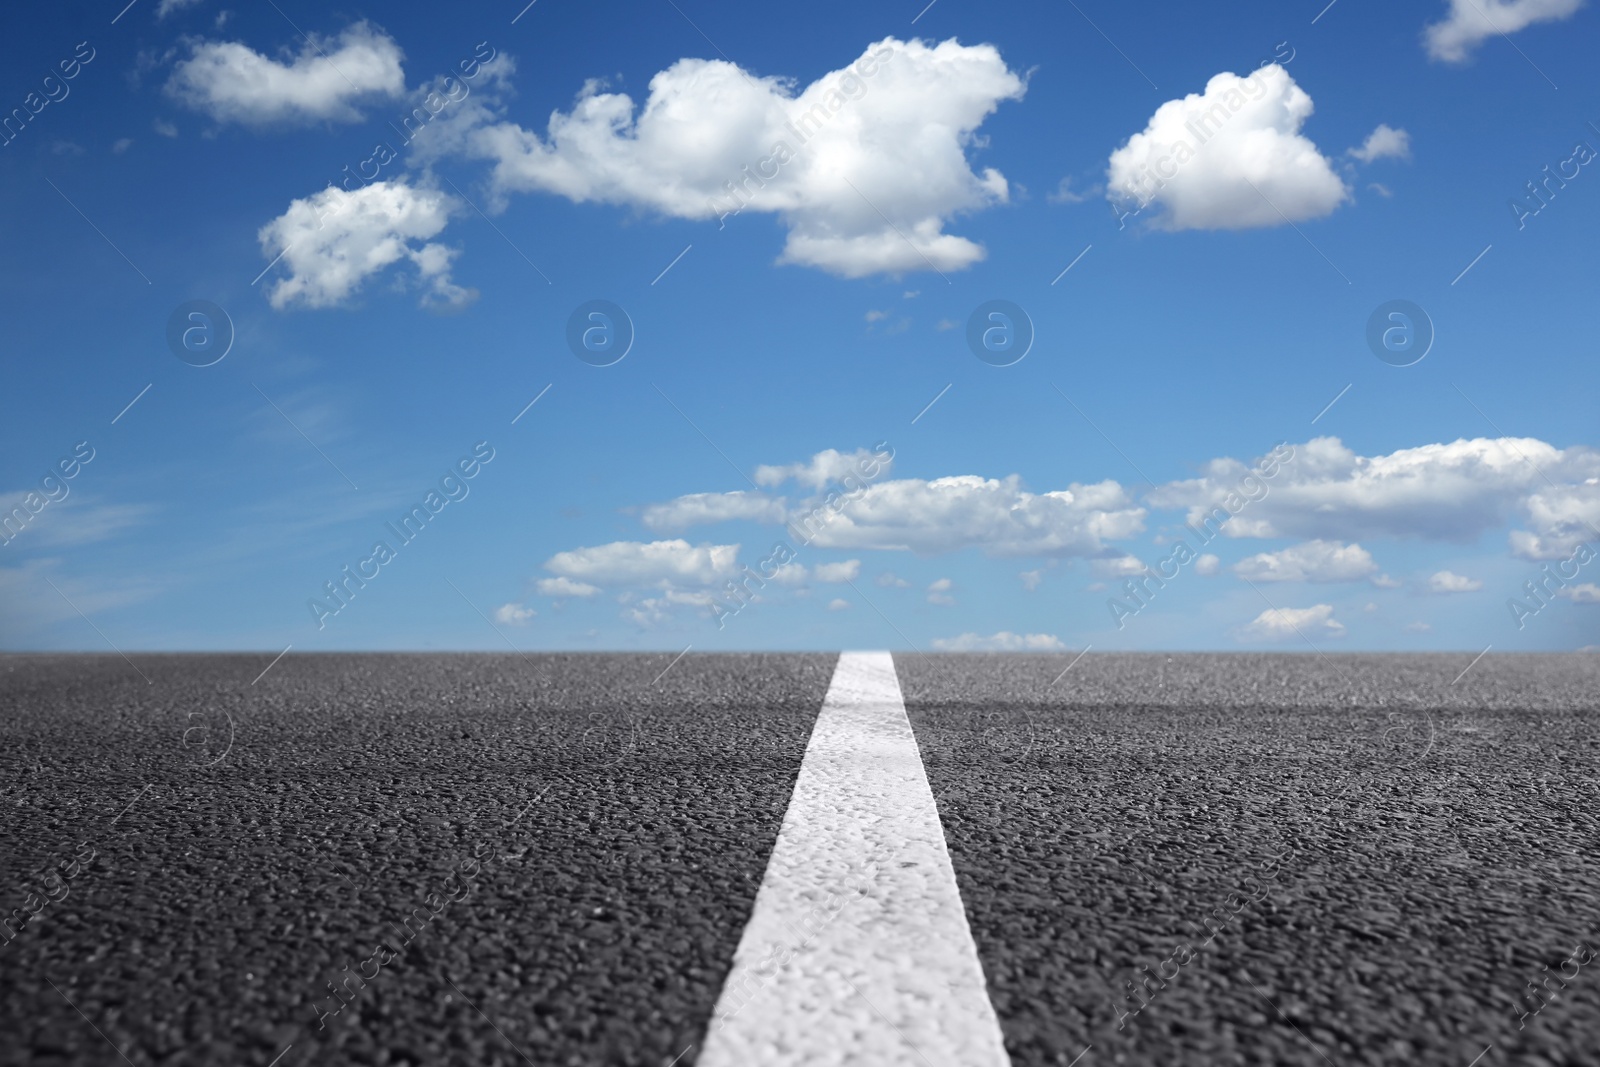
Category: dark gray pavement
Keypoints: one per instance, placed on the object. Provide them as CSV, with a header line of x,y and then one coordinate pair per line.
x,y
594,928
551,859
1438,843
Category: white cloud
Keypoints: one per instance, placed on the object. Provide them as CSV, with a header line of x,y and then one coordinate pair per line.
x,y
1118,567
1470,22
948,514
164,128
652,611
875,315
854,144
565,587
231,83
333,241
655,562
514,614
891,580
1562,517
1206,565
928,517
848,571
167,7
31,604
939,592
1584,593
1230,158
1443,492
1065,194
121,145
1004,641
73,519
1031,580
1311,561
1449,582
1369,607
1383,581
838,604
697,509
1419,628
1384,143
1277,624
792,574
829,466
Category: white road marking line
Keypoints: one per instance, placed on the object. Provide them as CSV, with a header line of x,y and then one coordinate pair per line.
x,y
858,948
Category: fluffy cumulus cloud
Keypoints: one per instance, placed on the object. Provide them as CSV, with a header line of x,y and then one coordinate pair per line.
x,y
652,611
665,563
847,571
1384,142
828,467
325,81
928,517
1312,561
1206,565
865,166
1582,593
514,614
1004,641
566,587
1229,158
939,592
997,515
1561,518
1450,582
697,509
1279,624
333,241
1443,492
1468,23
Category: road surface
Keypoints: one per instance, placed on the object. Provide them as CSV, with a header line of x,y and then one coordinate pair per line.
x,y
621,859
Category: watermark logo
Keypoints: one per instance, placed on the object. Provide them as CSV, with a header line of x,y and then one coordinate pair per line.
x,y
999,332
199,332
1399,332
600,333
1552,581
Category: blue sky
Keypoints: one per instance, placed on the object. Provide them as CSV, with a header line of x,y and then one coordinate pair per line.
x,y
1354,157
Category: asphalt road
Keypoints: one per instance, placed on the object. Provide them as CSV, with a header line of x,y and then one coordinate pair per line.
x,y
1437,843
597,928
551,859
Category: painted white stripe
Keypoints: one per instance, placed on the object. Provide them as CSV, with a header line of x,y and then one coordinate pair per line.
x,y
858,950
